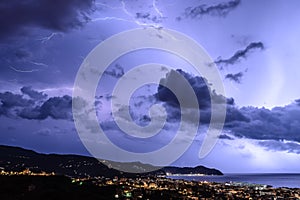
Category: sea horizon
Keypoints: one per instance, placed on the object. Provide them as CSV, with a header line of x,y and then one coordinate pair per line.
x,y
276,180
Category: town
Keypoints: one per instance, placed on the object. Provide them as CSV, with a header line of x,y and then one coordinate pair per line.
x,y
158,187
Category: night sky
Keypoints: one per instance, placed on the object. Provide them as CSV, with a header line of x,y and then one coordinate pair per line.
x,y
254,44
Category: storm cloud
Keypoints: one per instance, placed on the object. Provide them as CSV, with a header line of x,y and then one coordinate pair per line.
x,y
200,86
10,100
54,107
205,95
235,77
221,9
273,145
279,123
267,126
240,54
36,107
116,72
32,93
147,17
54,15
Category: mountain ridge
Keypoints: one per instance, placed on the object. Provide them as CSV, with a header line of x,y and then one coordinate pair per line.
x,y
17,159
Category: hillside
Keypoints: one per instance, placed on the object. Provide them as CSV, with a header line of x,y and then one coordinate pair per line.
x,y
18,159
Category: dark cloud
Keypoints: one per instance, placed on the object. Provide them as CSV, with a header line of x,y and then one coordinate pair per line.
x,y
240,54
276,129
200,86
273,145
10,100
57,108
233,114
17,106
32,93
142,15
10,103
30,113
140,101
277,125
54,107
280,123
235,77
106,97
221,9
226,137
298,101
57,15
116,72
204,96
148,17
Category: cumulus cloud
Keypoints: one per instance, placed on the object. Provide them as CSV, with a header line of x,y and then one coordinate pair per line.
x,y
54,107
200,86
288,146
235,77
37,106
10,103
226,137
240,54
48,14
221,9
116,72
204,95
32,93
10,100
146,17
279,123
267,126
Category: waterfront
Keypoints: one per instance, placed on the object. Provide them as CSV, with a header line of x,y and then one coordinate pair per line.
x,y
42,185
273,179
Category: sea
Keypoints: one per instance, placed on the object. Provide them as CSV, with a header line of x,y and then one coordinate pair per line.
x,y
274,180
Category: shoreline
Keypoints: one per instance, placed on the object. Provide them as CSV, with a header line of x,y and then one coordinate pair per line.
x,y
282,180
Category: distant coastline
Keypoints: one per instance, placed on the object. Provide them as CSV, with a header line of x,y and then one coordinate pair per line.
x,y
170,175
276,180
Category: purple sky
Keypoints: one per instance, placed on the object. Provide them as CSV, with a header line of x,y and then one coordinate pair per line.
x,y
255,45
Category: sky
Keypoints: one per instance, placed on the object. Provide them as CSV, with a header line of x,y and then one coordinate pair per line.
x,y
254,45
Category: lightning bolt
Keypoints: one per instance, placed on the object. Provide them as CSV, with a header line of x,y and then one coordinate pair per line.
x,y
107,6
125,9
47,38
143,24
38,64
156,9
110,18
131,16
23,71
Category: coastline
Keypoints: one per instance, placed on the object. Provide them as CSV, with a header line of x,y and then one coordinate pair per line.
x,y
169,174
276,180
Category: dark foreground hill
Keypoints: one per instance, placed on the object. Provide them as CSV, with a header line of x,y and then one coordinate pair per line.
x,y
18,159
49,188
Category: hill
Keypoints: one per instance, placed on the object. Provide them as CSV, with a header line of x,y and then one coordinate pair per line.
x,y
18,159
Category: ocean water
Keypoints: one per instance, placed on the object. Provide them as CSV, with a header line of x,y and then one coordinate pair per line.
x,y
275,180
